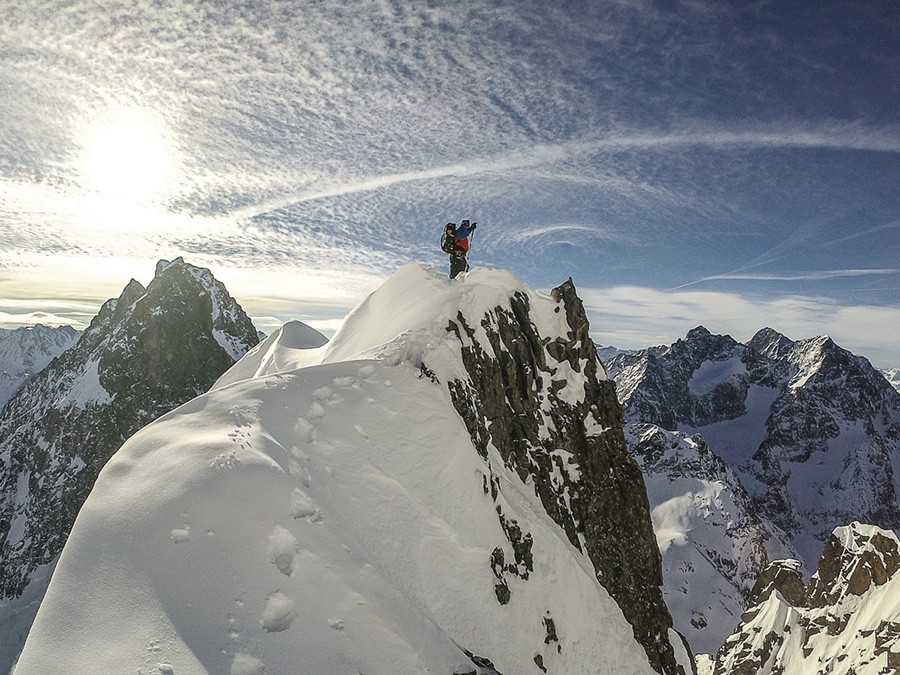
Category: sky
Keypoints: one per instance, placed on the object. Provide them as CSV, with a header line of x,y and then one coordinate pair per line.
x,y
730,164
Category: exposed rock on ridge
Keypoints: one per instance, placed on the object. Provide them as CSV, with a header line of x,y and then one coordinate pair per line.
x,y
547,407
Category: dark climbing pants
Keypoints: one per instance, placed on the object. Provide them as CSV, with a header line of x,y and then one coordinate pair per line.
x,y
458,265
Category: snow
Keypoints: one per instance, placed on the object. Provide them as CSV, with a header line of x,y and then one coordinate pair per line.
x,y
736,440
86,389
863,628
324,509
26,351
711,374
712,549
893,376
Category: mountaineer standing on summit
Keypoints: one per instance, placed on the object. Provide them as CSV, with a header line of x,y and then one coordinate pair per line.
x,y
455,242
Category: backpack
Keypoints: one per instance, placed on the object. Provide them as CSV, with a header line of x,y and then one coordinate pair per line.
x,y
448,238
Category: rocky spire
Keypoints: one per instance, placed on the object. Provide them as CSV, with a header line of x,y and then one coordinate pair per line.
x,y
546,405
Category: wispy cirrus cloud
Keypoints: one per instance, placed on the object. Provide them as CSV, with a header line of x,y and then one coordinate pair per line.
x,y
821,275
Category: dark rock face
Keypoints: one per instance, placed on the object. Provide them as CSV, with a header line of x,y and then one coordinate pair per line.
x,y
144,354
547,408
783,576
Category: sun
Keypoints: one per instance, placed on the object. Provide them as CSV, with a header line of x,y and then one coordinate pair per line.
x,y
127,156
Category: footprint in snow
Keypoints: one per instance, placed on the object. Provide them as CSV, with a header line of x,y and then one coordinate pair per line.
x,y
244,664
303,506
345,382
316,411
304,429
300,473
279,613
181,535
327,395
283,548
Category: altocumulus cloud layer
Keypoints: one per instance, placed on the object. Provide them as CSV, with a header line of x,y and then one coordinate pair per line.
x,y
304,150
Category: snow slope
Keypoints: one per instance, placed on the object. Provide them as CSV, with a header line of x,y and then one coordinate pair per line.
x,y
713,543
324,510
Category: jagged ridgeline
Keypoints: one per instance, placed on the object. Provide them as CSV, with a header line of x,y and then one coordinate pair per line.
x,y
145,353
442,487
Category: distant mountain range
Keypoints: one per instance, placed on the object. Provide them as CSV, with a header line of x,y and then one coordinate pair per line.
x,y
740,462
754,452
26,351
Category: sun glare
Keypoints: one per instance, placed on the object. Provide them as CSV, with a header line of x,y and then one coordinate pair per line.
x,y
127,156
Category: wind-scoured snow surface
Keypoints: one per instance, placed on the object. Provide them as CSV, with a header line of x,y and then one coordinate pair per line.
x,y
323,510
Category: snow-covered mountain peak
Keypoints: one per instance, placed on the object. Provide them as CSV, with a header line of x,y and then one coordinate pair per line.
x,y
443,487
769,342
25,351
146,352
893,376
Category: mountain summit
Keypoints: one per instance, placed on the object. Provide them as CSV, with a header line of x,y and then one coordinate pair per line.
x,y
442,487
26,351
144,353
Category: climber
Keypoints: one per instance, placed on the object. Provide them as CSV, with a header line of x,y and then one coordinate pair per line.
x,y
455,243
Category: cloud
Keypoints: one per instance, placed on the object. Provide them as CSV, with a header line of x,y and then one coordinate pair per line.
x,y
822,275
635,317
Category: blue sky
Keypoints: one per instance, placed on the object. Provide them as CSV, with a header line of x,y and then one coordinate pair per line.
x,y
734,164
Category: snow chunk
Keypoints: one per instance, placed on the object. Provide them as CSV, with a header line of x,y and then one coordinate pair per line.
x,y
279,614
243,664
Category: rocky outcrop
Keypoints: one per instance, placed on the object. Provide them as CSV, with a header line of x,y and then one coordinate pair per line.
x,y
546,406
144,353
842,622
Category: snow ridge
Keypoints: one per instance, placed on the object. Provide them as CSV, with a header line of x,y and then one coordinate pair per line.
x,y
329,507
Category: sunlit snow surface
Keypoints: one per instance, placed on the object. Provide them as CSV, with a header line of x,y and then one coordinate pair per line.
x,y
323,511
